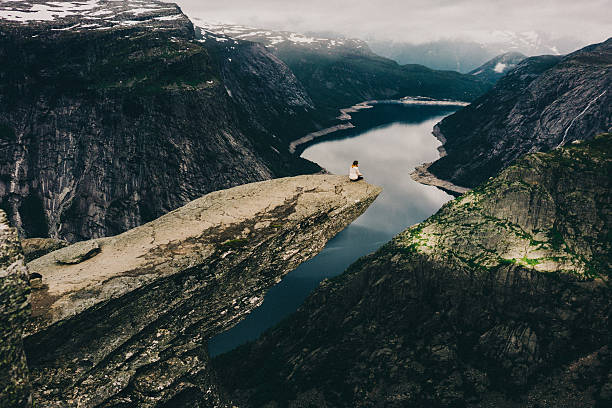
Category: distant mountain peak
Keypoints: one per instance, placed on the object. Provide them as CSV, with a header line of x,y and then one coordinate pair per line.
x,y
498,66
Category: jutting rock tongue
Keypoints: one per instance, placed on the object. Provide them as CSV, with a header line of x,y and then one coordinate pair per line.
x,y
126,319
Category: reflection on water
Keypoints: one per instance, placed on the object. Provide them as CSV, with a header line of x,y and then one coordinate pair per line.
x,y
387,155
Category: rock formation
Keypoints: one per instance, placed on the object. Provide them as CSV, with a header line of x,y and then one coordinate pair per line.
x,y
36,247
15,388
544,103
501,299
127,324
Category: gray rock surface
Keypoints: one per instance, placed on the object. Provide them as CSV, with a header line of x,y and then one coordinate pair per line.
x,y
130,325
79,252
543,103
15,390
36,247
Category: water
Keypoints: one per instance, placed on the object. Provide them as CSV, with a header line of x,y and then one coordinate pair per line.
x,y
390,140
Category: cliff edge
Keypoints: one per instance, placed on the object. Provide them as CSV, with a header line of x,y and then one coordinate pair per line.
x,y
125,319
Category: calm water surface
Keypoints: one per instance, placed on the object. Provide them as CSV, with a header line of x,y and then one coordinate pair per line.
x,y
390,140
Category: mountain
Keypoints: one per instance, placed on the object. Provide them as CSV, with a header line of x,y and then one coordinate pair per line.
x,y
543,103
338,73
279,40
466,55
500,299
114,113
495,68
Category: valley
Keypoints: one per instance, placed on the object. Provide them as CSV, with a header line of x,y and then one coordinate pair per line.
x,y
177,227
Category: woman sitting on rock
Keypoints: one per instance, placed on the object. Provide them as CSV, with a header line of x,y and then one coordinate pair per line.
x,y
354,173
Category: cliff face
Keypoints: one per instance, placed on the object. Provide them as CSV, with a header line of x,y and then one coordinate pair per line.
x,y
500,299
124,321
112,114
545,102
15,388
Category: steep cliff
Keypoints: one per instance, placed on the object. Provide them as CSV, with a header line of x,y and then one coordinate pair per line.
x,y
114,113
545,102
124,321
500,299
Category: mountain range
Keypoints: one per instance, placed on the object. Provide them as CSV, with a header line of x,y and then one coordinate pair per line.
x,y
339,72
143,140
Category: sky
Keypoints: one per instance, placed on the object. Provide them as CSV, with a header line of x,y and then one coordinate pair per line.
x,y
415,21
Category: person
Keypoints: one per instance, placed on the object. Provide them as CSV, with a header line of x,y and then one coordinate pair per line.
x,y
354,174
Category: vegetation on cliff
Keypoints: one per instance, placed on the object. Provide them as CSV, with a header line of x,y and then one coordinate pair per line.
x,y
547,211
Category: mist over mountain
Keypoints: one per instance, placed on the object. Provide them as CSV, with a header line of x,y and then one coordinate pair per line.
x,y
497,67
416,21
439,35
466,55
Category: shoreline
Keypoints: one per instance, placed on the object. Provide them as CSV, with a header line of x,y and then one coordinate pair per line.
x,y
346,117
421,174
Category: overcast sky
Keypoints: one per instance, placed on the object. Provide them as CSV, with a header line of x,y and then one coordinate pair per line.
x,y
415,20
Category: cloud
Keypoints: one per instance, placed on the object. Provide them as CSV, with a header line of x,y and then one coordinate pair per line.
x,y
415,20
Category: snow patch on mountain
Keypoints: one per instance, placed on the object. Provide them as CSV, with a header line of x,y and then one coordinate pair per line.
x,y
500,67
24,12
273,39
88,14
